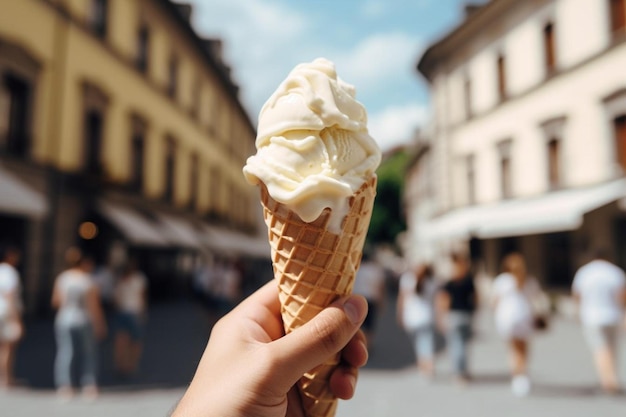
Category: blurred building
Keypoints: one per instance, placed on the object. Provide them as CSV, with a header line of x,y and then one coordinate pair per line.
x,y
527,147
121,131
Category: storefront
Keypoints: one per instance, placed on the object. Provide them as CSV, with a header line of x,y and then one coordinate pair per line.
x,y
555,232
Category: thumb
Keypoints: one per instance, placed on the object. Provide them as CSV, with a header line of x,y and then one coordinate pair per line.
x,y
318,340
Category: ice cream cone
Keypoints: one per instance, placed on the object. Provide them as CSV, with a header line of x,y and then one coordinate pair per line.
x,y
314,266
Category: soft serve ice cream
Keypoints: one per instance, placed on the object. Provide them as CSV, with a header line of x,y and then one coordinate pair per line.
x,y
313,147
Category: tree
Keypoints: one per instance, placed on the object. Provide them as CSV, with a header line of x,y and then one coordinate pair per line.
x,y
387,217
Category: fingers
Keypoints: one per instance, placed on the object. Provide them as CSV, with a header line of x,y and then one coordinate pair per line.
x,y
343,382
266,296
263,309
354,355
328,333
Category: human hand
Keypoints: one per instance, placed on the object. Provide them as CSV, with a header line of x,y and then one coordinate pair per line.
x,y
250,368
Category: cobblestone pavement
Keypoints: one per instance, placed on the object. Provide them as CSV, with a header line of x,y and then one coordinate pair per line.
x,y
564,380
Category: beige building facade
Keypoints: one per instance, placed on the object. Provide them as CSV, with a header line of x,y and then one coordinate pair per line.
x,y
121,131
527,147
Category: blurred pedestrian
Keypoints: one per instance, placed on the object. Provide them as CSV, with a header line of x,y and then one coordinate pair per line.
x,y
226,286
79,321
370,283
11,327
456,302
600,289
104,278
514,294
416,314
130,296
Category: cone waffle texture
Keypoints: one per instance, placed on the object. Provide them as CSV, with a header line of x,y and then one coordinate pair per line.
x,y
313,267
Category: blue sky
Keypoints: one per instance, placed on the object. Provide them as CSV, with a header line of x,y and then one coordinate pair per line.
x,y
374,43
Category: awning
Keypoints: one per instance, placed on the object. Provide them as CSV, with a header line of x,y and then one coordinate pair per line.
x,y
178,232
135,227
554,212
227,241
17,197
456,224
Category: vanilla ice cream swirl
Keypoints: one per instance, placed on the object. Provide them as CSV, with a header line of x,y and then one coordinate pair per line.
x,y
313,147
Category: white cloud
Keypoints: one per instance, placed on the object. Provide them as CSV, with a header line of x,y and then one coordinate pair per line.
x,y
372,8
264,40
256,34
396,125
381,67
378,58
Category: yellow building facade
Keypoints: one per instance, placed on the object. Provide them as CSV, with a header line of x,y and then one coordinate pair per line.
x,y
119,104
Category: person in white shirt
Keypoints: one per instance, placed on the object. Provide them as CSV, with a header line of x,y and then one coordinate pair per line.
x,y
370,283
514,292
131,307
600,289
79,321
416,314
11,329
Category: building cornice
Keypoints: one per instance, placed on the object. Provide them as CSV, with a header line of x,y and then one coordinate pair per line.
x,y
474,23
200,44
618,42
214,64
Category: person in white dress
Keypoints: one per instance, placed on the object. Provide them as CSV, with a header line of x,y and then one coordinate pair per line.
x,y
11,329
416,314
514,292
600,288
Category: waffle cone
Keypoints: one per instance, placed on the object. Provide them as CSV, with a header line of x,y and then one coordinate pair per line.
x,y
313,267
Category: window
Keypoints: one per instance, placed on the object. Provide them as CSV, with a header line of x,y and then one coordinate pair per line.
x,y
193,181
215,189
18,83
471,179
506,179
93,141
170,165
211,114
467,96
619,126
553,133
143,49
501,77
98,18
138,145
618,16
15,94
196,93
615,108
95,105
549,48
172,81
554,163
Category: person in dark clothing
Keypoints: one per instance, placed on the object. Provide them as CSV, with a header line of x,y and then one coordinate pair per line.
x,y
456,302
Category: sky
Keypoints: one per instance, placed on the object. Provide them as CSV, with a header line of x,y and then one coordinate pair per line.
x,y
375,45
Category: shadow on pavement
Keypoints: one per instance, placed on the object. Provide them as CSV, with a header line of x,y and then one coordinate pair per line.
x,y
497,378
564,390
174,339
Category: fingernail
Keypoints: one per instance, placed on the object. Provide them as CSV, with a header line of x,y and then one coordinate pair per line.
x,y
356,309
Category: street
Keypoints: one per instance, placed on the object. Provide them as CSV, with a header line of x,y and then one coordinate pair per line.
x,y
564,380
